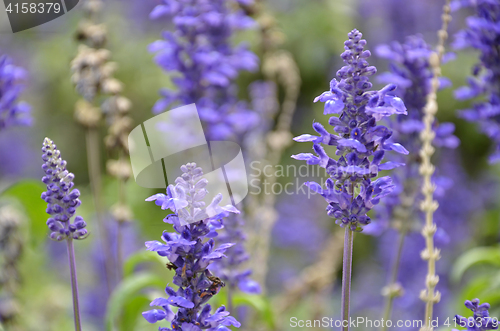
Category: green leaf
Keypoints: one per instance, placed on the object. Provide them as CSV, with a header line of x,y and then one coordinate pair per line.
x,y
140,257
260,303
489,255
126,292
28,193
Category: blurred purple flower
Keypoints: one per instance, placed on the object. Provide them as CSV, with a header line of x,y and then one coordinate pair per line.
x,y
483,34
12,112
206,63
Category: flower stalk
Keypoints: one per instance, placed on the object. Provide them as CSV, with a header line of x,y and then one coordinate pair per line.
x,y
74,284
431,254
62,202
346,277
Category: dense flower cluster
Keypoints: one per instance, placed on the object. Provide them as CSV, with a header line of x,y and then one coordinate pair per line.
x,y
12,112
483,34
229,269
61,200
190,255
360,142
200,52
481,320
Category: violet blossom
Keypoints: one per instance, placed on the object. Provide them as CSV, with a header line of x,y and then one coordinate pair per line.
x,y
483,34
190,255
360,142
205,63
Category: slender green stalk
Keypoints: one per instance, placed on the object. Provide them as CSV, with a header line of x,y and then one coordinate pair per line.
x,y
346,277
74,285
93,156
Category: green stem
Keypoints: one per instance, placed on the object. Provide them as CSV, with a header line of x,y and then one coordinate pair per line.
x,y
346,277
74,285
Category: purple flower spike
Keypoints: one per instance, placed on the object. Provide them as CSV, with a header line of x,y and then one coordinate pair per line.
x,y
190,255
61,199
360,142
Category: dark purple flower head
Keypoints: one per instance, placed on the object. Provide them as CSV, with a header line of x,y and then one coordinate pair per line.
x,y
359,141
190,254
483,34
61,199
206,63
12,112
481,320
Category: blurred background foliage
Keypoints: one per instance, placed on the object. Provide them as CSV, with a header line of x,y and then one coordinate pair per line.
x,y
315,31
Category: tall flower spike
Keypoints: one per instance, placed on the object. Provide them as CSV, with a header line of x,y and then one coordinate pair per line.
x,y
190,255
361,145
12,112
480,321
62,201
482,34
200,51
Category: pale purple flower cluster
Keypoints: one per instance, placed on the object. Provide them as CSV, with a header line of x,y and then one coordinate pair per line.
x,y
190,255
481,320
61,199
12,112
483,34
205,63
229,269
360,142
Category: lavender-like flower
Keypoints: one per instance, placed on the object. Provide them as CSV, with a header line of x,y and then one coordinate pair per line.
x,y
12,112
190,255
360,144
483,34
481,320
62,202
200,52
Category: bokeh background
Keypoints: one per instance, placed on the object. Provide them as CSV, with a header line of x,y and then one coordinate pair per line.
x,y
303,238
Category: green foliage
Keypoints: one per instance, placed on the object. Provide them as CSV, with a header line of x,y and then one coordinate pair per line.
x,y
27,194
126,298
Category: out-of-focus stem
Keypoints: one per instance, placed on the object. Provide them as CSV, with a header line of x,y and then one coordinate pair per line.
x,y
393,287
122,200
429,205
93,157
346,277
74,285
287,73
